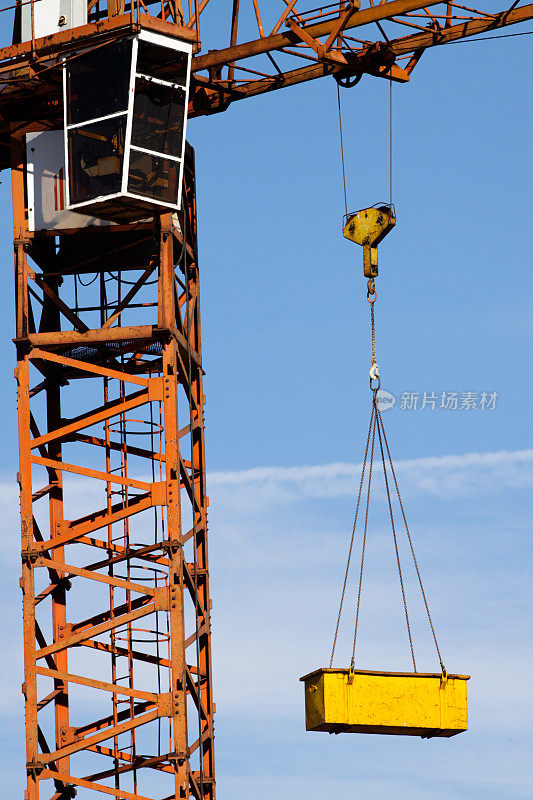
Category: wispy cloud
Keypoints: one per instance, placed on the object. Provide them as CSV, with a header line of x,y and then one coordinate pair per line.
x,y
442,476
277,555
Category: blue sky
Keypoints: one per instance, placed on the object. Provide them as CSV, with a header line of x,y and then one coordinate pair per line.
x,y
286,349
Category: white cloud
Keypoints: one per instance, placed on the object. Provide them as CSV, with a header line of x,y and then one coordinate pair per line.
x,y
277,553
442,476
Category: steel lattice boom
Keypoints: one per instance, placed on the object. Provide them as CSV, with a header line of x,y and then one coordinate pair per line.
x,y
269,46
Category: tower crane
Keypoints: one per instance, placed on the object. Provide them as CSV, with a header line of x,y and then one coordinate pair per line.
x,y
94,100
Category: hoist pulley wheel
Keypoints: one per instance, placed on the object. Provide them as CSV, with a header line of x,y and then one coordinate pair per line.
x,y
368,227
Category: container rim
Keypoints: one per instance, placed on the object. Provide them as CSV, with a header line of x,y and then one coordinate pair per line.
x,y
346,671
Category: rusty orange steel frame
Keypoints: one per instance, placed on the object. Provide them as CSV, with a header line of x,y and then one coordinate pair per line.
x,y
118,691
262,46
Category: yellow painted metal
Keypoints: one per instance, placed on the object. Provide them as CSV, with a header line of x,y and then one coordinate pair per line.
x,y
405,703
368,227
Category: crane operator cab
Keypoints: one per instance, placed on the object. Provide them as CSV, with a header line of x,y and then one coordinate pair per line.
x,y
125,112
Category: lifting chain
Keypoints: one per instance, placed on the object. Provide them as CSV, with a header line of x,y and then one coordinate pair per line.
x,y
371,296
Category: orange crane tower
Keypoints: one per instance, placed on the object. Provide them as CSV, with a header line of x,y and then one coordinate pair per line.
x,y
94,99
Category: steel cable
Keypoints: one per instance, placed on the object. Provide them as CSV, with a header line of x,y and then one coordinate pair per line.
x,y
390,141
376,423
415,562
378,418
352,538
342,150
363,549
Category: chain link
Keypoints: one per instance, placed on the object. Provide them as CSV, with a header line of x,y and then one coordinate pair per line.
x,y
371,296
373,332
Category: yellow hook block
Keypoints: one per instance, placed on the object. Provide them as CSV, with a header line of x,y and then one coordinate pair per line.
x,y
368,227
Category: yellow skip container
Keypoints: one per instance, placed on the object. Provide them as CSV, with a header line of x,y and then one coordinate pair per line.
x,y
405,703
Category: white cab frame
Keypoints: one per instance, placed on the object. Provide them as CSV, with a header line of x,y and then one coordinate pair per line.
x,y
159,40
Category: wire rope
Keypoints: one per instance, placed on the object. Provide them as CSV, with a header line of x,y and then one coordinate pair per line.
x,y
390,141
415,562
395,538
352,540
342,149
376,425
363,549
